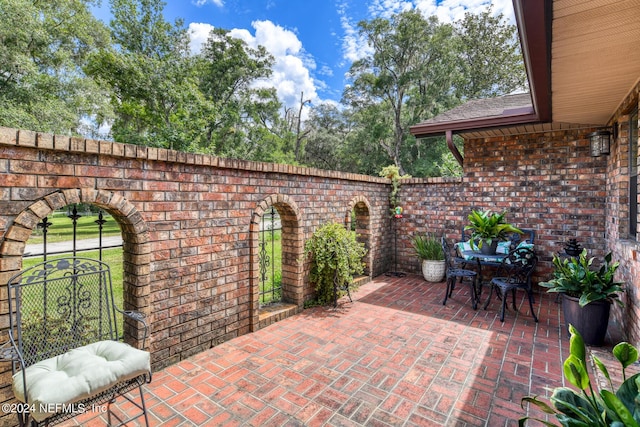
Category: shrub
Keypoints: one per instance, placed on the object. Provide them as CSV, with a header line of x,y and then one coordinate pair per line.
x,y
335,256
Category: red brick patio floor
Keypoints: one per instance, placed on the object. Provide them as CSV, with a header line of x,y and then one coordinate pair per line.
x,y
394,357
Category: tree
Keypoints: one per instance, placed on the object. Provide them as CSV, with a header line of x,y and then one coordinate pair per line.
x,y
243,119
327,129
490,58
408,76
43,47
151,75
419,68
295,125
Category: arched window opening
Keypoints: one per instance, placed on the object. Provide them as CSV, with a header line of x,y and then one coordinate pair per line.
x,y
80,230
360,224
270,258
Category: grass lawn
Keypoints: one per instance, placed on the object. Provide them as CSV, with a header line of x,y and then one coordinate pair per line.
x,y
112,257
273,248
61,228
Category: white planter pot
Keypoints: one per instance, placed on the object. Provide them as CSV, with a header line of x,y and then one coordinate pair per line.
x,y
433,271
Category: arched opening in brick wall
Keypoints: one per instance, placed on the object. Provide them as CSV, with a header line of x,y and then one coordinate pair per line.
x,y
358,219
293,292
270,259
136,250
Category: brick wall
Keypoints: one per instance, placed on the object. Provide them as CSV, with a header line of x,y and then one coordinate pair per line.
x,y
545,182
190,227
625,248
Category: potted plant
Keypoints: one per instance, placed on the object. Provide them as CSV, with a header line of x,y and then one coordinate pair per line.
x,y
429,250
572,247
587,293
487,229
584,407
335,257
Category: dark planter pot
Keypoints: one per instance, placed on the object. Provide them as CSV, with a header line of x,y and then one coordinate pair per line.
x,y
573,252
489,249
591,320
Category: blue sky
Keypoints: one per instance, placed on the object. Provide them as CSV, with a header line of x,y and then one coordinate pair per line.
x,y
314,42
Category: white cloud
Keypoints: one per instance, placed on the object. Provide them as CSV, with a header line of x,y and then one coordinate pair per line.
x,y
198,33
219,3
386,8
354,47
325,70
452,10
292,65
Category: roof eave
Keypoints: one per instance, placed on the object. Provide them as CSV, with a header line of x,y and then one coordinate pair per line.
x,y
534,23
534,19
425,130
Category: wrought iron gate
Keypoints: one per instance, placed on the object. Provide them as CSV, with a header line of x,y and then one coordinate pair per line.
x,y
269,258
74,216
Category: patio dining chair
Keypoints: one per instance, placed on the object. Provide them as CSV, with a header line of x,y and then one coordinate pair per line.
x,y
514,273
453,273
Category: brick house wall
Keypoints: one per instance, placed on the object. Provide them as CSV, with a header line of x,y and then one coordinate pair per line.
x,y
625,248
547,182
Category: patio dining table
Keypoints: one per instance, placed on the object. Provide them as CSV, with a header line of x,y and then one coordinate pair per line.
x,y
482,259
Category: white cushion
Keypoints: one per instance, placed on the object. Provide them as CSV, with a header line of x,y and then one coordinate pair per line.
x,y
78,374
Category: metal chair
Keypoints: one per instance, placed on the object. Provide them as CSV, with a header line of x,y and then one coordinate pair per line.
x,y
453,273
514,273
64,335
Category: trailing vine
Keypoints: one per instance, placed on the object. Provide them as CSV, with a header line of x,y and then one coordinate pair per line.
x,y
393,173
336,256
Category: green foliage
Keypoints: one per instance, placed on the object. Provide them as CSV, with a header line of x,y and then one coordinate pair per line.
x,y
392,172
491,61
61,71
329,140
585,407
150,73
486,226
409,72
43,46
427,246
360,151
575,277
241,121
335,256
448,165
418,69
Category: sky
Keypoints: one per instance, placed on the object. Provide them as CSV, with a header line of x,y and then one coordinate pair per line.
x,y
314,42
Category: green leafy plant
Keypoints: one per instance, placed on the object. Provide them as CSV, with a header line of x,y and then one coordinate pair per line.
x,y
575,277
487,226
335,256
427,246
584,407
393,173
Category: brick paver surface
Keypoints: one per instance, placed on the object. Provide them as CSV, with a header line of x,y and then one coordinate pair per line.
x,y
394,357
